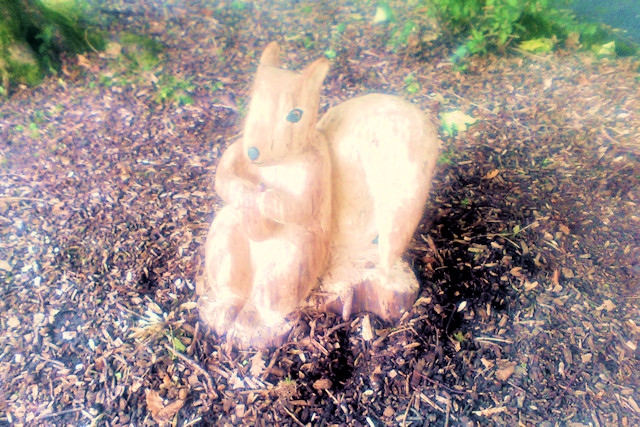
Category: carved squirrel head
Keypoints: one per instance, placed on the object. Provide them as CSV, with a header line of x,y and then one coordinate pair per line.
x,y
283,109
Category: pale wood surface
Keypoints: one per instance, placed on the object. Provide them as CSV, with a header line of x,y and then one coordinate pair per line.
x,y
333,203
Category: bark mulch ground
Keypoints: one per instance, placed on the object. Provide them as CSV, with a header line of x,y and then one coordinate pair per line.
x,y
528,254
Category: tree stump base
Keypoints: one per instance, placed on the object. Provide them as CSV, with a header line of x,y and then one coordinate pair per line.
x,y
353,284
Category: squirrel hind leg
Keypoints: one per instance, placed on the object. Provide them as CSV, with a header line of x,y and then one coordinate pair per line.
x,y
227,271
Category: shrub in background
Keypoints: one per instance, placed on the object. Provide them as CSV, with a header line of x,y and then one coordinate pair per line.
x,y
492,25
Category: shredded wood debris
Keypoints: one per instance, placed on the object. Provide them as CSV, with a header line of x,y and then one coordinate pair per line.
x,y
528,253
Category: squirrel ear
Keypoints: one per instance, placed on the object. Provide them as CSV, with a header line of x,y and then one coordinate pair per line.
x,y
271,55
314,74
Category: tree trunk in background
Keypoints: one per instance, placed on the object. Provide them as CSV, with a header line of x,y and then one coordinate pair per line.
x,y
33,35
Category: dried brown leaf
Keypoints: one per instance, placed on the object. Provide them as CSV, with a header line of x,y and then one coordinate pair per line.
x,y
607,305
505,372
257,365
492,174
160,412
83,61
322,384
487,363
169,411
528,286
516,271
154,402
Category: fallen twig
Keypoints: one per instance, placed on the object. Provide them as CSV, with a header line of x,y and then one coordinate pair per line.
x,y
293,416
22,199
471,102
433,404
490,411
406,412
489,339
193,422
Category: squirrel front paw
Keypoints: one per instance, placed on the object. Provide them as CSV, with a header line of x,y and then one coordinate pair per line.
x,y
219,314
252,329
257,225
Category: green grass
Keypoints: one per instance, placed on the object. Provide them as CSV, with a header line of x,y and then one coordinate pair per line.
x,y
411,85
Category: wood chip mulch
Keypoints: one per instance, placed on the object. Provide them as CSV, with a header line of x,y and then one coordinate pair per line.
x,y
528,253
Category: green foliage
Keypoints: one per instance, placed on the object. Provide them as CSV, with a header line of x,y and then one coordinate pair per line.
x,y
138,60
492,25
402,34
238,5
143,52
404,25
454,122
308,42
33,128
459,336
446,157
21,65
411,85
217,86
330,53
177,344
18,63
336,40
542,44
68,22
459,15
174,90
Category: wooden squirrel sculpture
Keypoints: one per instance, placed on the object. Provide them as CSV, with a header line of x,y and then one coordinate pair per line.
x,y
332,204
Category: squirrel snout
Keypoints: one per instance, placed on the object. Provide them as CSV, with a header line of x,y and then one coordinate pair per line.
x,y
253,153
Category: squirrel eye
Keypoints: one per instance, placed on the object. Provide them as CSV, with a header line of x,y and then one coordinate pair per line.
x,y
294,115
